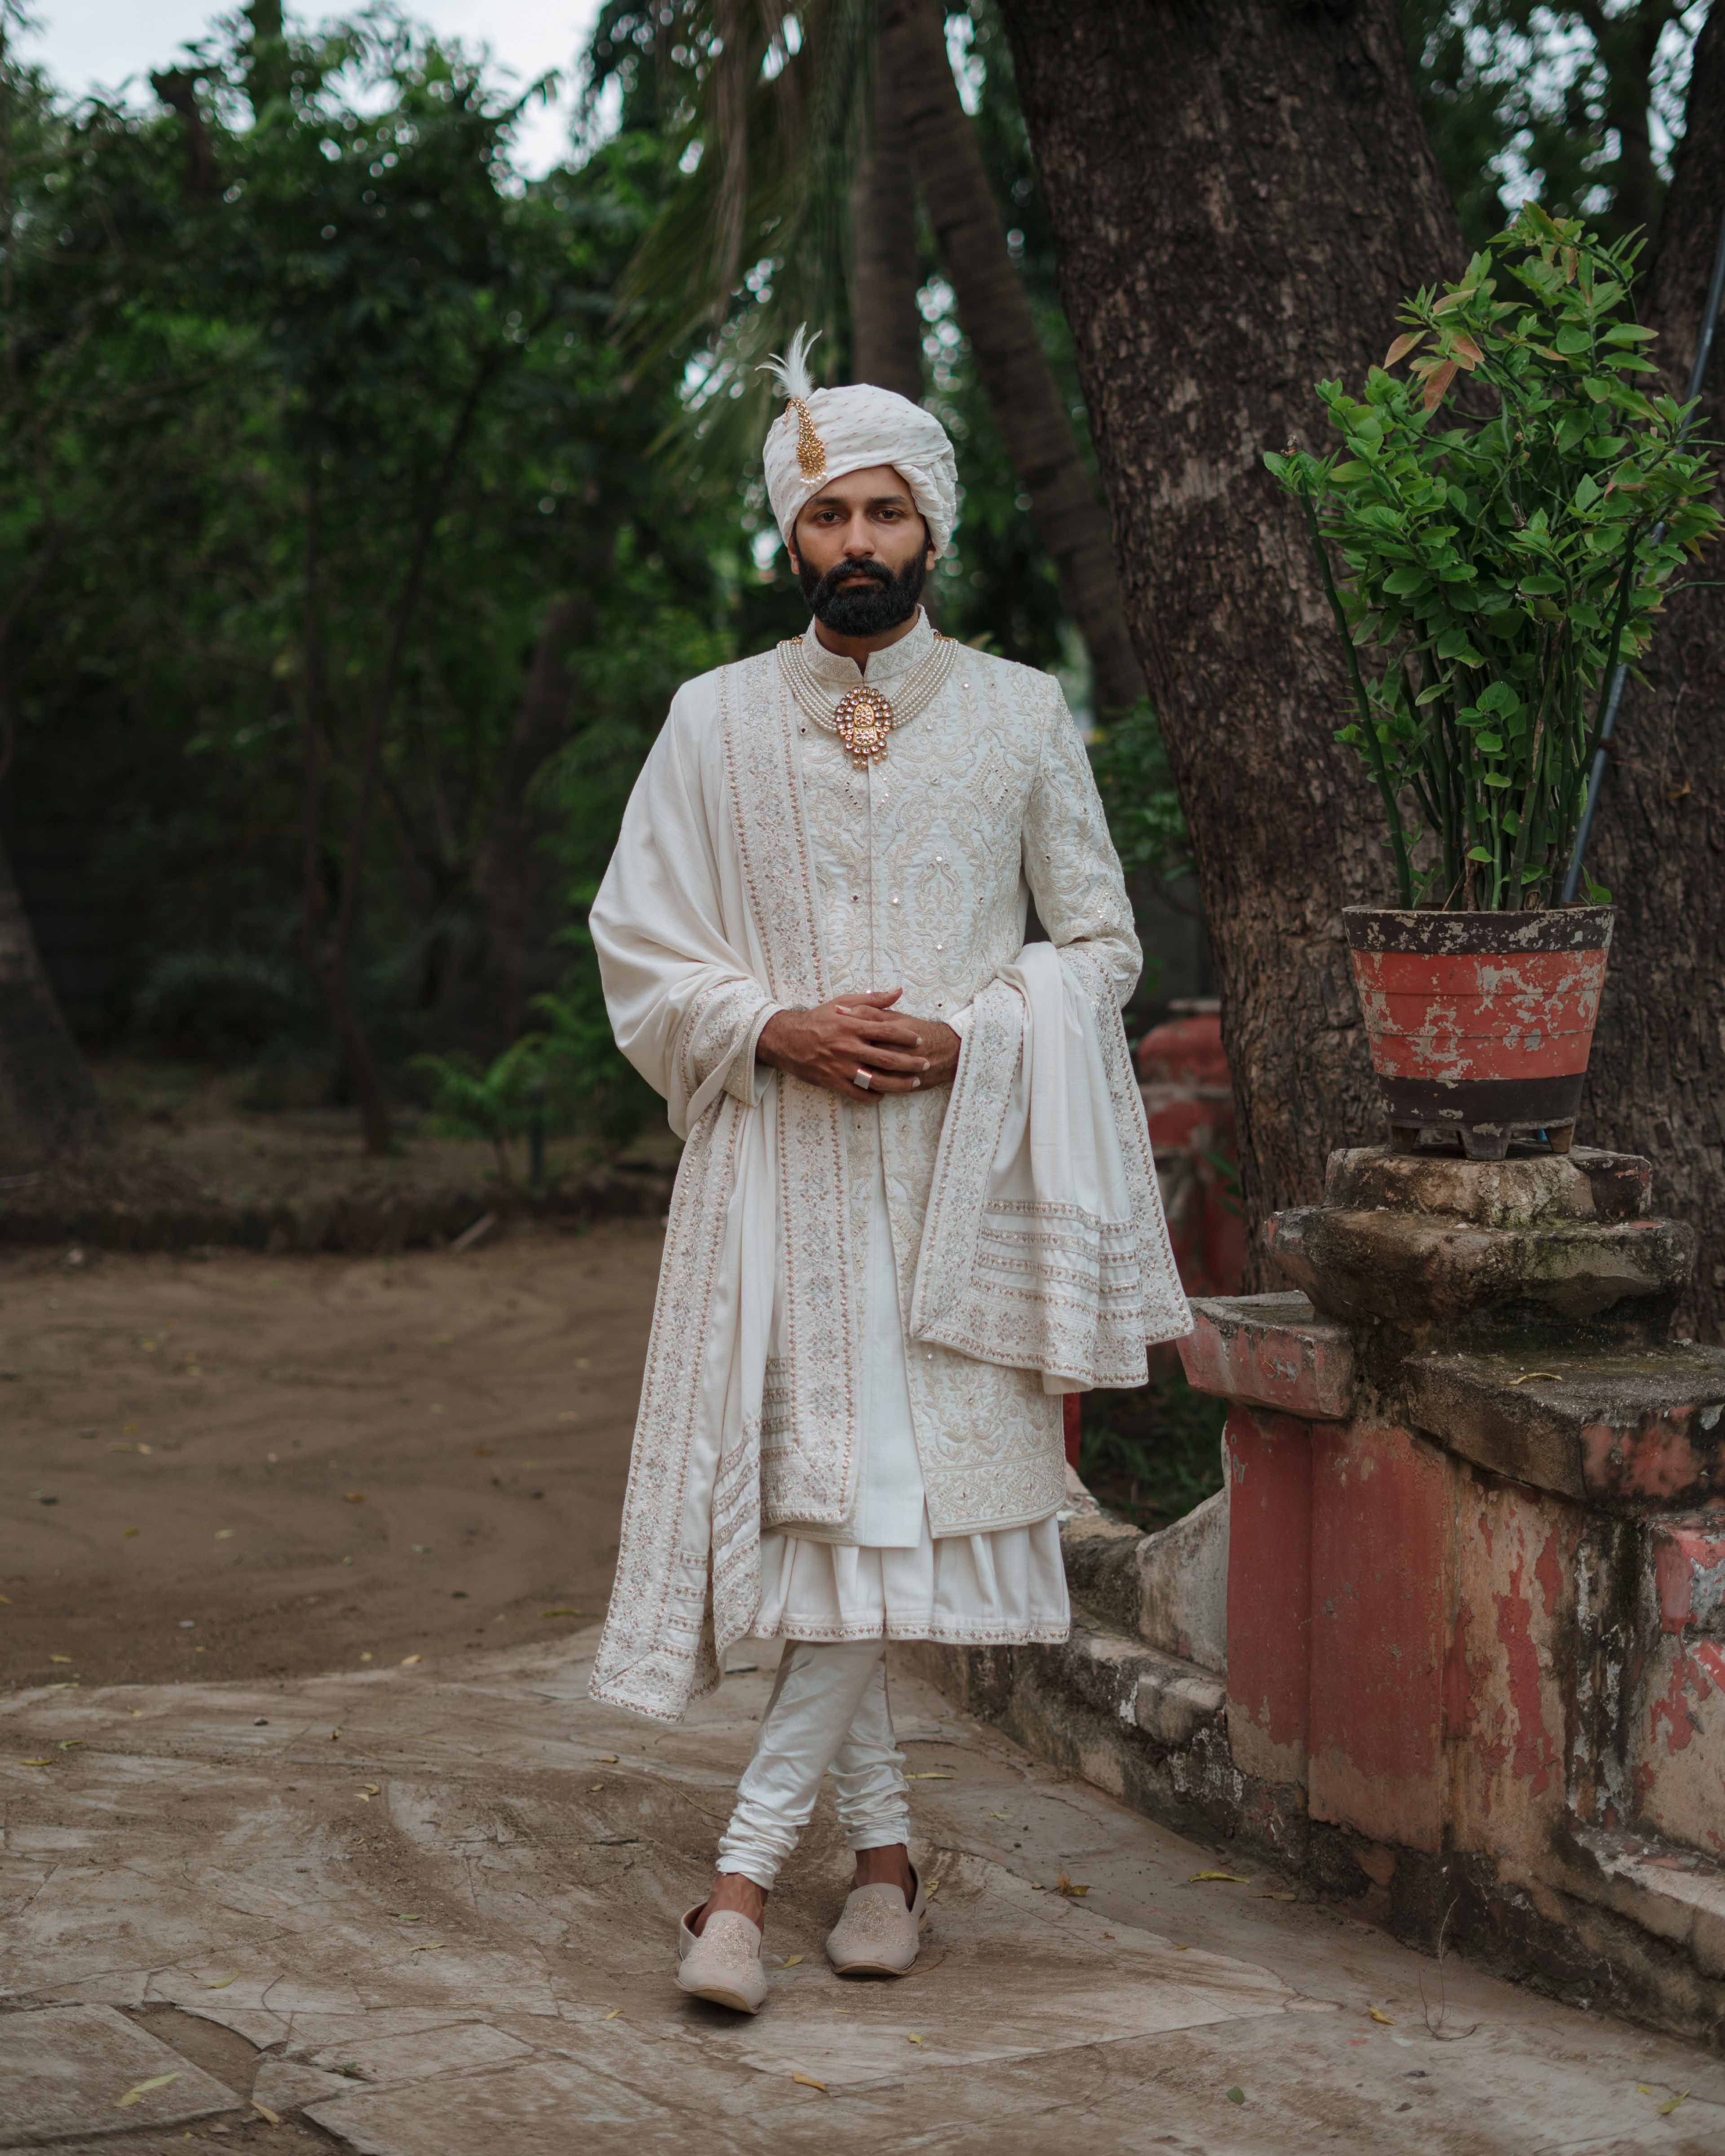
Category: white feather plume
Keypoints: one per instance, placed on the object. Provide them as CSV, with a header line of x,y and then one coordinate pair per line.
x,y
791,369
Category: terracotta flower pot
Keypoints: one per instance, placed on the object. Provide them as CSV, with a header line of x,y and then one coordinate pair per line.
x,y
1479,1023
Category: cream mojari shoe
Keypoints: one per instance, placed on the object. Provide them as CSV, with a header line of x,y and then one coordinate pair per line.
x,y
877,1935
723,1963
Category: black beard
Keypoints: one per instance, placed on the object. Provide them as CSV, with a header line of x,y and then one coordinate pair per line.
x,y
865,610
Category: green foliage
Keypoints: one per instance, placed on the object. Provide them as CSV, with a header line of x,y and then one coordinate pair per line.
x,y
495,1101
219,1006
234,416
1494,569
1145,819
1577,106
1154,1453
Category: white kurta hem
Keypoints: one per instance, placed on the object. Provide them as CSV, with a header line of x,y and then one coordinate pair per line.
x,y
1006,1589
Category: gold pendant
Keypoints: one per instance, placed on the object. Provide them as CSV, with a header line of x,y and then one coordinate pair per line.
x,y
863,721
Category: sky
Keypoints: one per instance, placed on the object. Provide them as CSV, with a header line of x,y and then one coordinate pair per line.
x,y
90,43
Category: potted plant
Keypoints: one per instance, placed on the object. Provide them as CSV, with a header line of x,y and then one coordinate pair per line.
x,y
1511,497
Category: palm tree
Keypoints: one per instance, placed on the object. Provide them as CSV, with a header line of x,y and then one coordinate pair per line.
x,y
802,137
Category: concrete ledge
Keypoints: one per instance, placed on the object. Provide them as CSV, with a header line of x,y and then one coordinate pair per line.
x,y
1637,1429
1408,1269
1167,1589
1271,1351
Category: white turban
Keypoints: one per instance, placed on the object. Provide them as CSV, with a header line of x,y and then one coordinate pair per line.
x,y
823,433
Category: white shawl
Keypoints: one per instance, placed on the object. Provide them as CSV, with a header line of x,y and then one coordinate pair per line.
x,y
1045,1246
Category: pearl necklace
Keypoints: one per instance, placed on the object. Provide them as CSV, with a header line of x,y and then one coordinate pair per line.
x,y
865,716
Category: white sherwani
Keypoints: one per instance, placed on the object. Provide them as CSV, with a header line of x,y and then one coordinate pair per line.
x,y
903,1483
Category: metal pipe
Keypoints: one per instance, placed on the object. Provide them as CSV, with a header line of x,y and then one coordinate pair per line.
x,y
1619,675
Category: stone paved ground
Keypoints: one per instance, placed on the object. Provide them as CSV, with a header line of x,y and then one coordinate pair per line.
x,y
428,1910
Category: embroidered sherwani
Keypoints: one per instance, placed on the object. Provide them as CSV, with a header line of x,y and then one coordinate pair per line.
x,y
915,872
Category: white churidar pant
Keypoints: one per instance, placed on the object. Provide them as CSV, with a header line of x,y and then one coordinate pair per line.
x,y
828,1710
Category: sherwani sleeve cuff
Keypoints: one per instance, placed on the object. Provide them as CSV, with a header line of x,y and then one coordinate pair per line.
x,y
746,1080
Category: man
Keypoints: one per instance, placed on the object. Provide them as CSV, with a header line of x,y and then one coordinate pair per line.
x,y
916,1203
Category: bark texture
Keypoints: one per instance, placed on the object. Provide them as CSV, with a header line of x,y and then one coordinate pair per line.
x,y
1656,1084
1226,241
48,1102
997,316
886,268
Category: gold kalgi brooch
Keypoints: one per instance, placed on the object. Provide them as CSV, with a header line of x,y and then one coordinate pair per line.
x,y
865,717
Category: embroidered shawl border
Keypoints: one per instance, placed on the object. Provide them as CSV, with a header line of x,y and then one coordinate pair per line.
x,y
1044,1286
657,1651
674,1609
814,1477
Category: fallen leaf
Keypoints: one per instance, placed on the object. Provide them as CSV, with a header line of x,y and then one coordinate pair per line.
x,y
913,2039
146,1448
136,2095
1278,1897
422,1549
999,1815
934,1774
71,1743
1388,2020
334,1735
1063,1885
1185,1949
1527,1377
1642,2089
607,1759
561,1611
59,1658
1236,2095
36,1762
593,1787
792,1961
612,2015
931,1889
807,2081
269,2117
1037,1887
1667,2109
367,1790
7,1600
409,1661
217,1983
366,1656
224,1534
126,1533
354,1496
1233,1878
401,1916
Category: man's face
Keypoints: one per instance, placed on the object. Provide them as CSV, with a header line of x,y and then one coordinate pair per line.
x,y
861,551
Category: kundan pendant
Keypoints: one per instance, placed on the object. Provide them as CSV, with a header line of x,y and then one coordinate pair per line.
x,y
863,719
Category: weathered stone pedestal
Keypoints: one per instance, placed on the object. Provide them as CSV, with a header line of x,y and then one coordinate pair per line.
x,y
1450,1644
1475,1590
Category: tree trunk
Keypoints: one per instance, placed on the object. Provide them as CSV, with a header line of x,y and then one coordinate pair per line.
x,y
1657,1081
885,271
506,877
48,1102
995,311
1225,242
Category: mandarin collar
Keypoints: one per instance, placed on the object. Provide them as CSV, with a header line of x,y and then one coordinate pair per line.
x,y
890,665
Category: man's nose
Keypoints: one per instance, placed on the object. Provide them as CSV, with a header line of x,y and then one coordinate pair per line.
x,y
859,539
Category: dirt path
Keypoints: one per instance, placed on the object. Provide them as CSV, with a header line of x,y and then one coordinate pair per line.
x,y
319,1462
